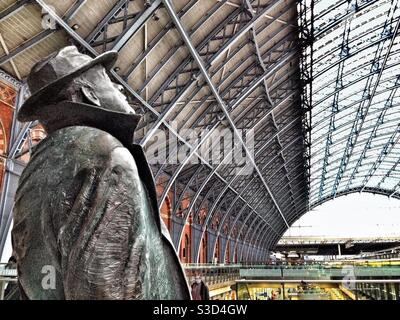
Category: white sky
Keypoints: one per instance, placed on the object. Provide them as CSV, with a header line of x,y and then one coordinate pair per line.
x,y
354,215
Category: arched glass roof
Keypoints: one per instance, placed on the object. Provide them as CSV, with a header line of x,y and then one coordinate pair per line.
x,y
355,127
317,85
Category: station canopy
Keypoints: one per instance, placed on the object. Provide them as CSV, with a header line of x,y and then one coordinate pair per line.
x,y
315,82
355,99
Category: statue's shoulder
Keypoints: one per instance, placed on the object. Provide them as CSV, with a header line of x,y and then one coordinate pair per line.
x,y
88,140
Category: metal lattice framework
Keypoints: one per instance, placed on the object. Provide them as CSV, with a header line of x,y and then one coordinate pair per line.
x,y
355,76
270,66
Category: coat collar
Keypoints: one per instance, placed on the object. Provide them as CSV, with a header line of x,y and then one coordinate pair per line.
x,y
68,113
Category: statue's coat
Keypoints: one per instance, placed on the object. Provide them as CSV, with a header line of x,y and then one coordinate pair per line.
x,y
86,205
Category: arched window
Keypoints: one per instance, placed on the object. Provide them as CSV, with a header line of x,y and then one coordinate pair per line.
x,y
185,247
204,249
3,147
3,141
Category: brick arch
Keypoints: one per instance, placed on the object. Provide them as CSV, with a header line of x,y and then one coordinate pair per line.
x,y
228,253
185,249
3,148
166,212
203,249
3,139
216,257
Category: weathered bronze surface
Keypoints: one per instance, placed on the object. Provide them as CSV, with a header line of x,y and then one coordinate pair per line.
x,y
86,203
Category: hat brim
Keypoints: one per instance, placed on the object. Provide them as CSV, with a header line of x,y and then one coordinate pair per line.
x,y
46,94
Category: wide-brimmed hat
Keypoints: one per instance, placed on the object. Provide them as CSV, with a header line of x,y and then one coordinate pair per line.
x,y
50,75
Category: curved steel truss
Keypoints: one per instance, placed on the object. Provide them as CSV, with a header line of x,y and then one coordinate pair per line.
x,y
316,87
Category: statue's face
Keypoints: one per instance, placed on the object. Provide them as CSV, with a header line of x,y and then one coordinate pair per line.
x,y
108,93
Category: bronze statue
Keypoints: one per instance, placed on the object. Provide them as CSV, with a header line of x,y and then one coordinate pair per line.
x,y
86,206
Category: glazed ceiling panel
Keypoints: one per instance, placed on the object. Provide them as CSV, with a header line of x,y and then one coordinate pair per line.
x,y
355,100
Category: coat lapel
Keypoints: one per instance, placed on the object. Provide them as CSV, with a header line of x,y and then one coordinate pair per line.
x,y
146,176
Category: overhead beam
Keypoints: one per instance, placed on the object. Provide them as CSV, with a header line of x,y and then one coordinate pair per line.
x,y
39,37
221,103
96,31
25,46
74,9
13,9
266,15
136,25
236,37
244,30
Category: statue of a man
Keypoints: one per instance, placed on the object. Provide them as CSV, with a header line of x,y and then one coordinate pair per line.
x,y
86,219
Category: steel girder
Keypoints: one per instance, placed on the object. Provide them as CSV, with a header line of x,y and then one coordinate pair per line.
x,y
166,111
200,118
210,174
245,249
210,214
255,254
374,132
227,214
205,137
356,7
254,241
243,243
158,39
351,42
180,44
213,59
166,190
14,8
223,219
131,25
354,92
246,217
355,190
344,52
350,122
237,217
41,36
212,110
270,140
277,234
387,175
102,25
393,139
350,55
366,142
28,44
